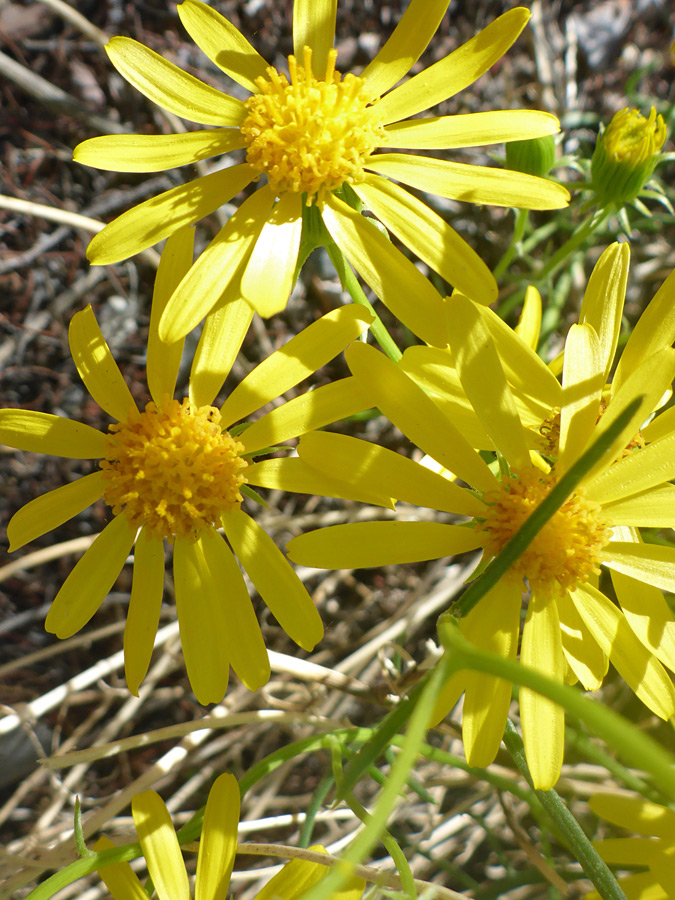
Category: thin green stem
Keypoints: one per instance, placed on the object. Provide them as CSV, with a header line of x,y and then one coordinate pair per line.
x,y
514,248
572,243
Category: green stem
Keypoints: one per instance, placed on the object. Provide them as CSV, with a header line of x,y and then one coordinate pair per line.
x,y
514,248
350,283
588,857
571,244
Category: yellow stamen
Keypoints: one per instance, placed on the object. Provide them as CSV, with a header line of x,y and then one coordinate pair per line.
x,y
172,469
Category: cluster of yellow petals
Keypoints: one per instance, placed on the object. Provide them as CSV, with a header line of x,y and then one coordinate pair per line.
x,y
565,553
310,135
172,469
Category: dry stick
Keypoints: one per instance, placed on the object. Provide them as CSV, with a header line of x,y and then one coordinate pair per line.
x,y
78,20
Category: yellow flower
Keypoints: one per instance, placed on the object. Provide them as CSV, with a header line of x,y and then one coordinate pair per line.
x,y
174,471
571,629
653,854
309,133
215,858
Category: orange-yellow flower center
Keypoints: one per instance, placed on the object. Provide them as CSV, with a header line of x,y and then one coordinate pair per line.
x,y
310,135
172,469
549,435
568,548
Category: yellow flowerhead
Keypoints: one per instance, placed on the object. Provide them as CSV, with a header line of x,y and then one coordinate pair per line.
x,y
310,132
571,630
625,155
215,857
176,471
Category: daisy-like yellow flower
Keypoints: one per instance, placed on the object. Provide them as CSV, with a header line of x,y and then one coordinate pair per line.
x,y
652,855
308,133
215,857
174,471
572,629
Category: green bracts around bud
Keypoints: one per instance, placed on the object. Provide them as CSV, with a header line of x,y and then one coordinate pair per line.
x,y
533,157
625,156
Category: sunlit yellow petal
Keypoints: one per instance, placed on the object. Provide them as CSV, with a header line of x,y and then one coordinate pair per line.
x,y
653,563
636,665
583,381
96,366
368,544
471,130
155,152
634,813
602,306
642,470
202,615
529,323
625,852
203,286
661,425
294,879
416,415
164,359
542,721
654,508
404,47
90,581
218,843
274,579
311,410
649,616
393,278
156,218
52,509
171,87
314,27
145,603
472,184
219,344
482,376
39,432
294,475
430,237
120,879
160,846
456,71
312,348
387,472
268,277
224,44
582,652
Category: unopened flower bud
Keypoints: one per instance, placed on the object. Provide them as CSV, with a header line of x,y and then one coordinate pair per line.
x,y
533,157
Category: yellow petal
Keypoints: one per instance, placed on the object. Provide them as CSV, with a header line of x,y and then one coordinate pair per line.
x,y
157,218
472,184
652,563
224,44
145,603
642,470
483,379
160,846
528,328
312,348
155,152
405,45
274,579
634,813
583,381
430,237
311,410
294,475
471,130
492,625
360,545
218,843
636,665
586,659
387,472
456,71
53,509
171,87
542,721
314,27
654,508
626,852
660,426
393,278
203,286
164,359
268,277
417,416
39,432
96,366
602,306
119,878
91,580
649,616
219,344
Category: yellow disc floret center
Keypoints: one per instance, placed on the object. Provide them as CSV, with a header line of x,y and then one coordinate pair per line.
x,y
565,552
172,469
310,135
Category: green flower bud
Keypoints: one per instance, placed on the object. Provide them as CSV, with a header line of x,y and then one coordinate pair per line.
x,y
533,157
625,155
